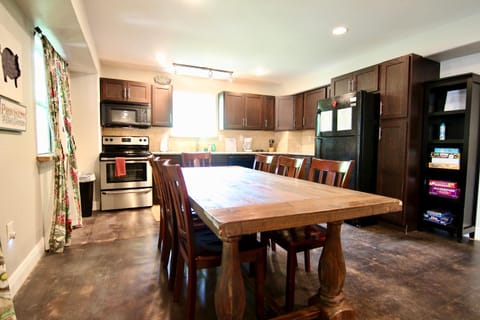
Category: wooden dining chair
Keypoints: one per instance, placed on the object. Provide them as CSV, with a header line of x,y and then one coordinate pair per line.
x,y
293,240
200,249
263,162
290,167
196,159
167,238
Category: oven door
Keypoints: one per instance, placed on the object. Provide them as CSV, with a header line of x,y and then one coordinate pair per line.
x,y
138,174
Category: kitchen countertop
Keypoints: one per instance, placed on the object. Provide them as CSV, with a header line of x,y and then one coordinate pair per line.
x,y
235,153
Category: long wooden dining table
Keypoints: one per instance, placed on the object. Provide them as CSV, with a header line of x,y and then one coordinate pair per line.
x,y
235,201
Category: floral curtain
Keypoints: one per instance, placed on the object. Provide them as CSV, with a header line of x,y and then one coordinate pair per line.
x,y
67,211
7,311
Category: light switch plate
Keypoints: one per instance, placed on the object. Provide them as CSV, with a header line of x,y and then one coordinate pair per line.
x,y
11,230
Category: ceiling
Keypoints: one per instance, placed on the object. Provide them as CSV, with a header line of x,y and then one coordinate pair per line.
x,y
285,39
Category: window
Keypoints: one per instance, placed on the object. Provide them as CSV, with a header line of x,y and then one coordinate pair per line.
x,y
194,114
44,132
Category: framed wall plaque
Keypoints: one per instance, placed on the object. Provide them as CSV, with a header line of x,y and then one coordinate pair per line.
x,y
13,116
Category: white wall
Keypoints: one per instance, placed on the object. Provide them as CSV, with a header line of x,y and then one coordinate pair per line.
x,y
20,196
86,125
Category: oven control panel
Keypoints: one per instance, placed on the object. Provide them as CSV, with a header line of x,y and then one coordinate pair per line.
x,y
122,140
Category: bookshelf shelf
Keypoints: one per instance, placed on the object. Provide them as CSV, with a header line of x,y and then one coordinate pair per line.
x,y
450,157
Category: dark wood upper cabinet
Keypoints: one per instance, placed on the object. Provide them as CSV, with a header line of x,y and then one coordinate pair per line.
x,y
298,107
394,88
284,113
269,113
253,111
363,79
162,115
310,102
245,111
124,91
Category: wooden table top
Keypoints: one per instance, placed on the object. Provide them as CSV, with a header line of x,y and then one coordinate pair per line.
x,y
235,201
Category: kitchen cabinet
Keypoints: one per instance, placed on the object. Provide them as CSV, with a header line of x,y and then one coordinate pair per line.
x,y
241,111
162,115
305,108
450,155
298,111
269,113
310,102
363,79
399,146
124,91
284,113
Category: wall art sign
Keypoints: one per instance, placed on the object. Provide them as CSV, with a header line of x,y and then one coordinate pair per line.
x,y
11,66
12,116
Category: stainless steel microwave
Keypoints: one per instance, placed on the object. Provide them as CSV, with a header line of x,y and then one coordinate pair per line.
x,y
125,115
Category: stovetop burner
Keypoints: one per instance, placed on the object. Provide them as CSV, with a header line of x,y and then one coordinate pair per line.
x,y
120,146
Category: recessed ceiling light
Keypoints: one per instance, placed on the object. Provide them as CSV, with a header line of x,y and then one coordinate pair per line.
x,y
339,30
260,71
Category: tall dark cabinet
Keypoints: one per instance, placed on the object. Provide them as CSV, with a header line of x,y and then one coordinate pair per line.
x,y
400,134
450,154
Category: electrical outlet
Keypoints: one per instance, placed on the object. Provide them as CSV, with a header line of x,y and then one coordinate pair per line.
x,y
11,230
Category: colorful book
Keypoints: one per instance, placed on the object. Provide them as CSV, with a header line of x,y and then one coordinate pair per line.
x,y
451,193
441,183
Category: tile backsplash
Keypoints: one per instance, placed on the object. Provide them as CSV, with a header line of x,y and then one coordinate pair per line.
x,y
161,139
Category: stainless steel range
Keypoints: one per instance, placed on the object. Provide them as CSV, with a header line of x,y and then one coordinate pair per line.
x,y
130,187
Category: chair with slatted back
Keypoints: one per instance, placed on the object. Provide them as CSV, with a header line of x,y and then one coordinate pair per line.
x,y
263,162
290,167
168,240
203,249
196,159
330,172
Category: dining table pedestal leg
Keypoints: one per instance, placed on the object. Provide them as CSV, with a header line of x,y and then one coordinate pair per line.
x,y
230,290
331,273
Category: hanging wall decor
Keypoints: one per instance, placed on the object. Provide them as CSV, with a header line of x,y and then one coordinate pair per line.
x,y
12,115
11,66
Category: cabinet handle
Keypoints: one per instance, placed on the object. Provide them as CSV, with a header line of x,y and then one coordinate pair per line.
x,y
303,121
266,123
128,93
124,93
353,85
379,133
381,107
170,117
246,122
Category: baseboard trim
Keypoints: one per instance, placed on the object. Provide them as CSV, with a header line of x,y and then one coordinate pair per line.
x,y
18,277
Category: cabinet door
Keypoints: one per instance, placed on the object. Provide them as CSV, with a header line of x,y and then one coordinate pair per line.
x,y
298,111
138,92
341,85
284,113
391,163
112,90
310,103
366,79
233,110
268,113
394,80
253,111
162,106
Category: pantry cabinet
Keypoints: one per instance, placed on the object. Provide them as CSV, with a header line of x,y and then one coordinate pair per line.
x,y
124,91
450,155
400,134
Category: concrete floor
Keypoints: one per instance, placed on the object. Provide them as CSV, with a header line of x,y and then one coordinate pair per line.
x,y
112,271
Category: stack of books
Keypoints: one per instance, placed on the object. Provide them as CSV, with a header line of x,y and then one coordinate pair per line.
x,y
445,158
439,216
445,189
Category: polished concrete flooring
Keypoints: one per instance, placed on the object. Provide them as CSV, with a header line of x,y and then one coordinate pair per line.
x,y
112,271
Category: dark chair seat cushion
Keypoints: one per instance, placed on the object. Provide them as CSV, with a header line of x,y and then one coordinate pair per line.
x,y
302,236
